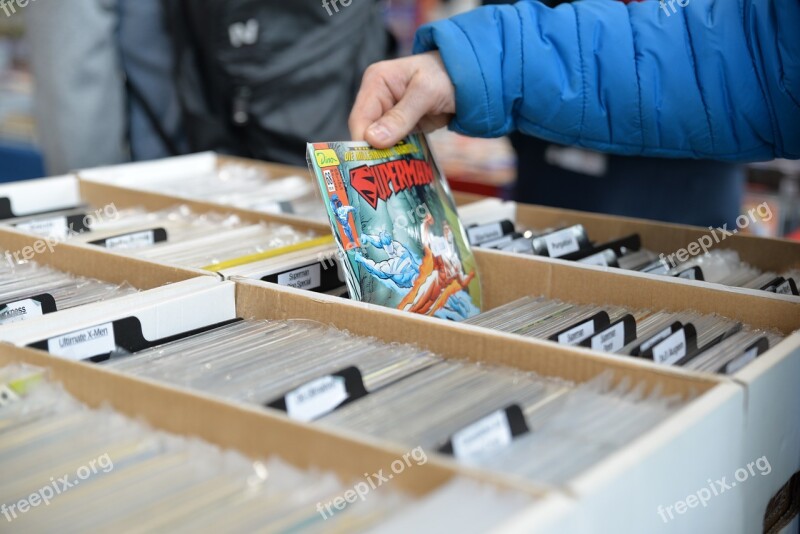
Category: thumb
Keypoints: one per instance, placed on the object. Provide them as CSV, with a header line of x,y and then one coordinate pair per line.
x,y
400,120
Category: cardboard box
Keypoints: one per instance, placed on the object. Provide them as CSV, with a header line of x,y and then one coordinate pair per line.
x,y
118,184
713,418
660,467
254,432
771,425
92,261
767,254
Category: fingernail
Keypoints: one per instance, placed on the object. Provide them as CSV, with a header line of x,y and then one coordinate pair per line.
x,y
378,132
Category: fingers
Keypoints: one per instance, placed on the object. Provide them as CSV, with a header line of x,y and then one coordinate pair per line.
x,y
401,119
398,96
374,98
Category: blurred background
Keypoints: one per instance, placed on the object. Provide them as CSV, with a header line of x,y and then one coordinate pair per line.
x,y
484,166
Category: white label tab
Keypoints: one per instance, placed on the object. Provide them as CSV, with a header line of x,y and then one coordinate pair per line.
x,y
671,349
52,227
316,398
20,311
575,335
740,361
85,343
595,259
521,245
486,232
304,278
611,339
484,436
561,243
131,241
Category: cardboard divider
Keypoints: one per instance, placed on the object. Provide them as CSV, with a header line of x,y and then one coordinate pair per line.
x,y
668,456
259,300
131,322
255,432
768,254
506,277
274,170
98,194
93,262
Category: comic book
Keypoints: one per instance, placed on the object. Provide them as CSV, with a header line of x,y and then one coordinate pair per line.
x,y
394,220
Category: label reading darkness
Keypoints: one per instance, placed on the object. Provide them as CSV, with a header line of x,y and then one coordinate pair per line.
x,y
487,435
322,395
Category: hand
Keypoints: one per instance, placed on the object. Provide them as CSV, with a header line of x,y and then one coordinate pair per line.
x,y
397,96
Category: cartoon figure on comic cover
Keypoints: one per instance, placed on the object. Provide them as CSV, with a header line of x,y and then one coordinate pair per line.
x,y
396,225
342,214
430,283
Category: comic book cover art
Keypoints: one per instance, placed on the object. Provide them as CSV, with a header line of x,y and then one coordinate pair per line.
x,y
397,229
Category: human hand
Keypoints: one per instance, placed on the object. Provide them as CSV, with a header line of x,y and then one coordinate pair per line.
x,y
400,95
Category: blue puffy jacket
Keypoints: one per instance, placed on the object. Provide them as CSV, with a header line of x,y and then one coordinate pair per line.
x,y
716,79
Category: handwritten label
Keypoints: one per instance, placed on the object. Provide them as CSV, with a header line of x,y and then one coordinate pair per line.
x,y
316,398
671,349
131,241
489,434
610,340
486,232
309,277
575,335
561,243
52,227
85,343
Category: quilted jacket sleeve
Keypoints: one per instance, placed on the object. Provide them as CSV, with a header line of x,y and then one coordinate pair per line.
x,y
716,79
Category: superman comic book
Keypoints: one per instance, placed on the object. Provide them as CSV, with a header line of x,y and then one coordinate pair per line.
x,y
397,229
